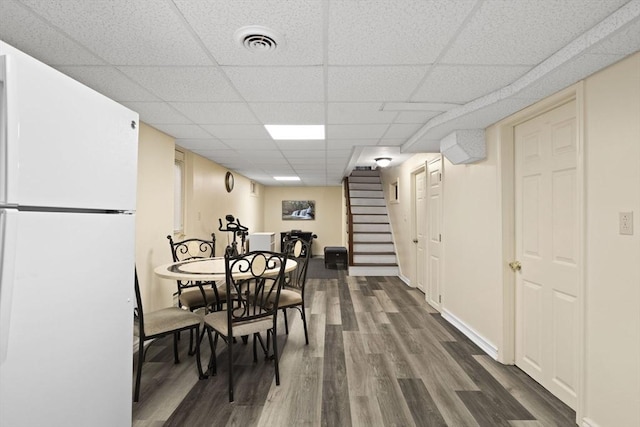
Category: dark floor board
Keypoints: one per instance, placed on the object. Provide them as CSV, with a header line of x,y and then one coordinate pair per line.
x,y
483,409
493,393
423,408
376,356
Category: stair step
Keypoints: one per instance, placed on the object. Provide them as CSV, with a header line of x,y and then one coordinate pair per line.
x,y
360,218
371,228
374,210
365,186
373,247
363,201
386,258
374,270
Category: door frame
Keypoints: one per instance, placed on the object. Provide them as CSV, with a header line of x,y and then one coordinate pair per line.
x,y
414,221
506,193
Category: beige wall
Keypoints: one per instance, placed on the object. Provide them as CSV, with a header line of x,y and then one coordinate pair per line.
x,y
612,310
401,214
478,240
206,200
328,224
154,214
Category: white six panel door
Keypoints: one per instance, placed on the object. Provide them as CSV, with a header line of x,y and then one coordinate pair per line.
x,y
434,170
547,247
420,186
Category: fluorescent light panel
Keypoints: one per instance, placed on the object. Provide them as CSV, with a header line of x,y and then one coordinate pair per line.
x,y
299,132
286,178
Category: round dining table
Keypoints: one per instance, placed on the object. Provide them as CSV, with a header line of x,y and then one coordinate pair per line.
x,y
207,270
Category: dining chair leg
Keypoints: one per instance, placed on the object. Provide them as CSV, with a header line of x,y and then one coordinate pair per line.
x,y
230,367
304,323
191,349
286,323
275,354
136,393
176,360
212,359
201,375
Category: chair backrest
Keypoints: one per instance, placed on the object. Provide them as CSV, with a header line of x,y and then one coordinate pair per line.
x,y
254,281
138,311
192,248
300,250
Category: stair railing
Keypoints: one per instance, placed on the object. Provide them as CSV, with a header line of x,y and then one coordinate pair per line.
x,y
349,220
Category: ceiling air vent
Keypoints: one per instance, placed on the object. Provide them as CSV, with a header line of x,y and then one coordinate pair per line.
x,y
255,38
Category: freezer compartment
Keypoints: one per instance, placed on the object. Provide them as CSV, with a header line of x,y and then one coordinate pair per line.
x,y
63,145
70,332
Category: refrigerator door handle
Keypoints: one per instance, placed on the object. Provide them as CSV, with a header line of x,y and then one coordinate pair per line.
x,y
8,242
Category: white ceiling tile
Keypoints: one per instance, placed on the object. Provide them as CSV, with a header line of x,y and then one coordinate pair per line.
x,y
125,32
157,112
231,132
252,144
216,112
373,84
415,116
299,22
313,155
109,81
401,130
299,145
293,113
524,32
391,32
356,131
464,83
394,142
46,43
348,144
359,112
211,145
183,131
187,84
284,84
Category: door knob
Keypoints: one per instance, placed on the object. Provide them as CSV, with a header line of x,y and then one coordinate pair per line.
x,y
515,265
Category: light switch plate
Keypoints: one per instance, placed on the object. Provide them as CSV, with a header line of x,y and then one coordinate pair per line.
x,y
626,223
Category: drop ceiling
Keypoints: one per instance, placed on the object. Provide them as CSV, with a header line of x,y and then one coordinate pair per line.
x,y
386,77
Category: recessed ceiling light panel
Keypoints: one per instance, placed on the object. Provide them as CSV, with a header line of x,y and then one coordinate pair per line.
x,y
296,132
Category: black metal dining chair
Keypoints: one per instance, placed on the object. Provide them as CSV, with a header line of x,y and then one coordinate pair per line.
x,y
292,294
253,284
156,324
196,295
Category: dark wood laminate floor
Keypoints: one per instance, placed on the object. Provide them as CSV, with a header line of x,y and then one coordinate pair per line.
x,y
378,356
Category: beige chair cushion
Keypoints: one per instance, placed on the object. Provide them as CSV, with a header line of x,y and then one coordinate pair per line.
x,y
218,321
192,298
288,298
167,319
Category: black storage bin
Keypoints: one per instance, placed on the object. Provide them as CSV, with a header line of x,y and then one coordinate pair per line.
x,y
335,257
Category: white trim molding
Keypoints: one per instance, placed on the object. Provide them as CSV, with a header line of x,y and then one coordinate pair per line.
x,y
477,339
587,422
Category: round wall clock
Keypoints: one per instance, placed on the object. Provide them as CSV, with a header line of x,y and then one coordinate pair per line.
x,y
228,182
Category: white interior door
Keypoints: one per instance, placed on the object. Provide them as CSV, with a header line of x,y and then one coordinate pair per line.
x,y
547,248
420,221
434,189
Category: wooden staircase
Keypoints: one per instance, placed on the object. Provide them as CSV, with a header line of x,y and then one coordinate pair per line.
x,y
371,248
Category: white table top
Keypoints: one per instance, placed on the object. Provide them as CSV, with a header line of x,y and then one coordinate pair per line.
x,y
203,270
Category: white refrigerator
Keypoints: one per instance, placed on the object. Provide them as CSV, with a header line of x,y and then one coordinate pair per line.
x,y
68,166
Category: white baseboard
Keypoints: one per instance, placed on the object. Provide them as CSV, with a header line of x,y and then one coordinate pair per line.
x,y
587,422
405,280
477,339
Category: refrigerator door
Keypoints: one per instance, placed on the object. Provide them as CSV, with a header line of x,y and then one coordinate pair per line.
x,y
68,334
62,144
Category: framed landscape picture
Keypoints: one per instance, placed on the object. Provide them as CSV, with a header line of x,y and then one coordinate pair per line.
x,y
299,210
